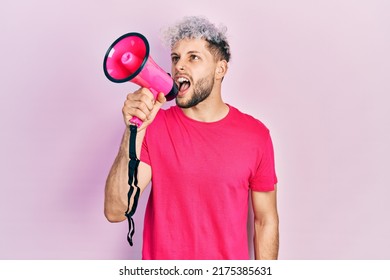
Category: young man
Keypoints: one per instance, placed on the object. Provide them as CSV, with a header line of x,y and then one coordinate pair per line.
x,y
204,158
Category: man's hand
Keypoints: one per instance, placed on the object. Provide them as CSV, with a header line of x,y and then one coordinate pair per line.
x,y
141,104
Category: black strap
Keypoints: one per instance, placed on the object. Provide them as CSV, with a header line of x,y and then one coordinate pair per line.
x,y
133,174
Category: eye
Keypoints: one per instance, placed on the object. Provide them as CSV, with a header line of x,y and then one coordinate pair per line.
x,y
194,57
174,59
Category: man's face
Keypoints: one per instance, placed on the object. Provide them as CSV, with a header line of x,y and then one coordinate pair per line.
x,y
193,69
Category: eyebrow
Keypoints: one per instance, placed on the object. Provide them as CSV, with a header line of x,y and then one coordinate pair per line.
x,y
189,52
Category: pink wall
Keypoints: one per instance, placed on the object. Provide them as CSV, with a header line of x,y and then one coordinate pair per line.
x,y
316,72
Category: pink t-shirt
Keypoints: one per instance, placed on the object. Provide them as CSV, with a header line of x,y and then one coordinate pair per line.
x,y
201,177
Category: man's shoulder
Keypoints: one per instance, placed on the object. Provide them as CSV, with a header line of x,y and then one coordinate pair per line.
x,y
164,113
248,121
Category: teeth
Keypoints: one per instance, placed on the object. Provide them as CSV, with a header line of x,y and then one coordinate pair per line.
x,y
182,80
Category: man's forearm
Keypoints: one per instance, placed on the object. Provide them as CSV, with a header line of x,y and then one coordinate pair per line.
x,y
115,202
116,184
266,241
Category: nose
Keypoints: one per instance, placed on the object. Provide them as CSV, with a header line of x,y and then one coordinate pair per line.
x,y
179,65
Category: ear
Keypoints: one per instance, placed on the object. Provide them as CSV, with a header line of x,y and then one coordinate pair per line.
x,y
221,69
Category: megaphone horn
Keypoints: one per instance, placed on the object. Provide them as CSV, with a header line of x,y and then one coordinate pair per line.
x,y
128,60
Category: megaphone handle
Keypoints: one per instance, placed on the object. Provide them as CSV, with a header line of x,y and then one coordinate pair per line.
x,y
136,121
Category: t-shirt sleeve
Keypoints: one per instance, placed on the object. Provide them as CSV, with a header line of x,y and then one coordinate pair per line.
x,y
265,177
144,157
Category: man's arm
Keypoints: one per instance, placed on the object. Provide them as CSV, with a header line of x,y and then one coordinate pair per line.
x,y
115,199
266,224
142,105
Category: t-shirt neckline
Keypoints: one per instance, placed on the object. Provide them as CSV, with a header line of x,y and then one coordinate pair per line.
x,y
218,122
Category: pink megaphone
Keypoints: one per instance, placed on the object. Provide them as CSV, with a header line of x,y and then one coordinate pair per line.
x,y
128,60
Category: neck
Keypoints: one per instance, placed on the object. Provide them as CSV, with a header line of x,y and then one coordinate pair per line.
x,y
210,110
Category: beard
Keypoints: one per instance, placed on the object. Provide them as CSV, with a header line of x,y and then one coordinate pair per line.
x,y
202,90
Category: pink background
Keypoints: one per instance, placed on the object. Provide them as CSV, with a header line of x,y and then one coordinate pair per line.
x,y
317,73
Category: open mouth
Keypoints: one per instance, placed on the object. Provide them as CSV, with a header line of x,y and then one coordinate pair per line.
x,y
183,84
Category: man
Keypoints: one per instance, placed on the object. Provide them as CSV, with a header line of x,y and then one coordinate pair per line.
x,y
204,158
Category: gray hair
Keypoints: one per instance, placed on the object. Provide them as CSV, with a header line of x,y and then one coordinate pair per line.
x,y
196,27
